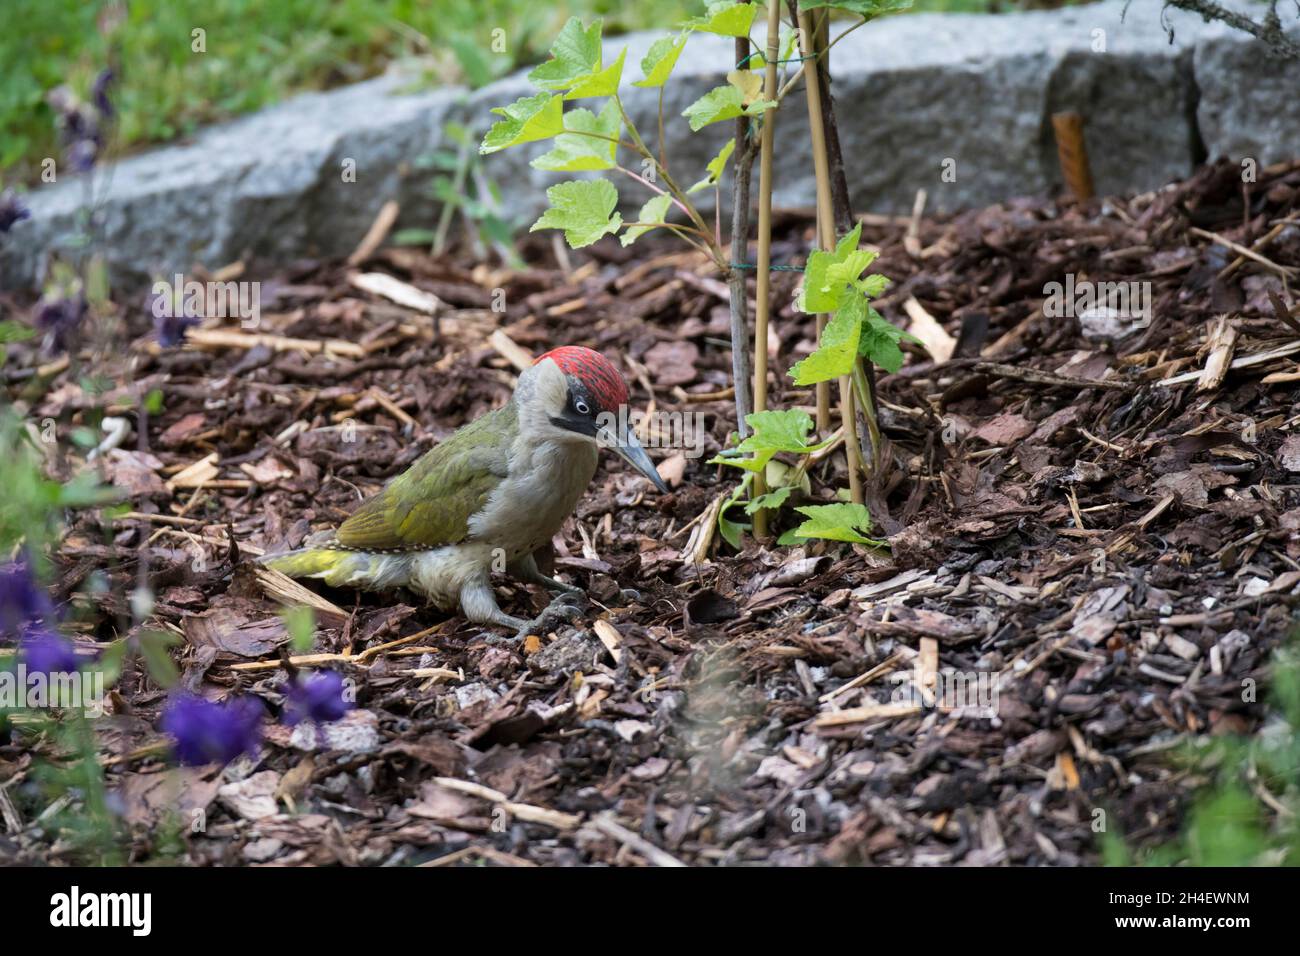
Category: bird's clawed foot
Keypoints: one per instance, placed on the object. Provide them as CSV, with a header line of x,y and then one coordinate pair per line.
x,y
561,588
566,608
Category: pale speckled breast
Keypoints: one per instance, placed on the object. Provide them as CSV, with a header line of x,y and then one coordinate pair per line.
x,y
545,482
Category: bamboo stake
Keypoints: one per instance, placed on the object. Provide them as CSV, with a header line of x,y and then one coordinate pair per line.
x,y
823,389
826,239
739,301
764,261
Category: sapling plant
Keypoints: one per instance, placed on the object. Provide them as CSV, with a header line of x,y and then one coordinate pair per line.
x,y
462,187
605,139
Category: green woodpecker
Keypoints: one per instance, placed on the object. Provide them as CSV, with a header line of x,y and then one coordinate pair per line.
x,y
487,498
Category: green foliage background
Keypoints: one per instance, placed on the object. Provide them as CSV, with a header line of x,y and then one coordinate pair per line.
x,y
258,52
261,51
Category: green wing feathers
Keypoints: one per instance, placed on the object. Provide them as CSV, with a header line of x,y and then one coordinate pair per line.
x,y
430,503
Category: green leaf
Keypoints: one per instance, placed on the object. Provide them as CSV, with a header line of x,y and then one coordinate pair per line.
x,y
574,152
725,18
750,84
879,341
653,211
827,272
881,349
11,331
85,491
838,522
732,530
785,430
414,237
715,167
111,660
527,119
773,432
773,499
657,65
722,103
300,622
474,62
873,285
161,667
779,475
584,209
1225,828
833,282
602,83
850,270
789,43
838,349
574,55
867,9
96,281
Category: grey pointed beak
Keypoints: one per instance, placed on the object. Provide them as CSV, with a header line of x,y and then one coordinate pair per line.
x,y
630,450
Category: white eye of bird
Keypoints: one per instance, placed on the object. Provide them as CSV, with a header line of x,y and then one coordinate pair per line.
x,y
581,407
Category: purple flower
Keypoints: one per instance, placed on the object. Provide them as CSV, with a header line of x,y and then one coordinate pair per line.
x,y
11,210
316,697
169,324
46,652
22,600
171,329
82,137
82,154
58,319
103,83
207,732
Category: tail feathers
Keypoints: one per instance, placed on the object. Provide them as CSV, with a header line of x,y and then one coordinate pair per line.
x,y
339,568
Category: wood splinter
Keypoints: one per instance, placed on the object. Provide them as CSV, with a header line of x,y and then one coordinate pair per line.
x,y
1073,154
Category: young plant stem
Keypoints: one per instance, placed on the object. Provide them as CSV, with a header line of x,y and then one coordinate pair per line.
x,y
826,239
764,261
679,198
684,231
640,146
739,300
449,209
717,213
663,142
864,371
652,187
864,382
710,247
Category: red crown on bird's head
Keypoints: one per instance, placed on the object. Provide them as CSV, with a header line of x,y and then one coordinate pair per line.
x,y
601,377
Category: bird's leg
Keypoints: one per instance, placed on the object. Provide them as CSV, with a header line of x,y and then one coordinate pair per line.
x,y
526,570
566,607
479,604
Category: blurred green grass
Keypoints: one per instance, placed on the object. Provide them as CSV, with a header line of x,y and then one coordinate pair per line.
x,y
261,51
258,52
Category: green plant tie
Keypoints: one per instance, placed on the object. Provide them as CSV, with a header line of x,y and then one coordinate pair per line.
x,y
751,265
793,59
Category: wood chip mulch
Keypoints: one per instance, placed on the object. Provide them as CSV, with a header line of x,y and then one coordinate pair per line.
x,y
1098,524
